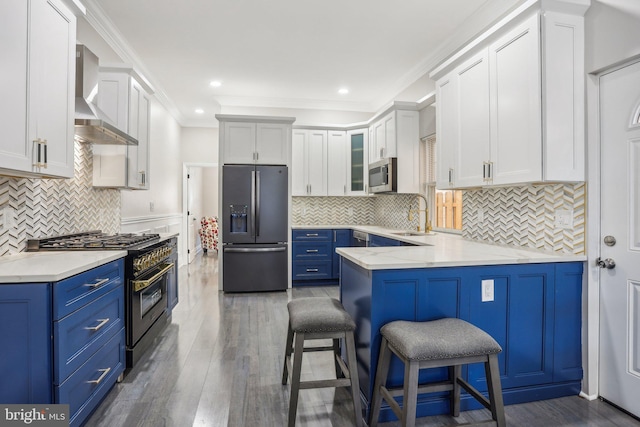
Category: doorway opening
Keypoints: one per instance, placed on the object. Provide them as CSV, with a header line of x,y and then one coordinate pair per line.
x,y
199,200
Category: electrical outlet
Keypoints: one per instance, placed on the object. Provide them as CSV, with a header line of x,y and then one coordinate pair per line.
x,y
487,291
563,219
152,206
480,216
350,211
8,217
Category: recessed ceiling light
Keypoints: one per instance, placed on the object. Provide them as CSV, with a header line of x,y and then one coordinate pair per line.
x,y
343,91
199,111
215,83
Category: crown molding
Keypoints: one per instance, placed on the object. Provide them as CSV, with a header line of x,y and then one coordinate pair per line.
x,y
101,23
295,103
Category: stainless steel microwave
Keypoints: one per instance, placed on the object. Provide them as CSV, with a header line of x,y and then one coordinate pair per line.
x,y
383,176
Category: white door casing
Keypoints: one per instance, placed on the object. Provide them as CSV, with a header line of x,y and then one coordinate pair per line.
x,y
619,336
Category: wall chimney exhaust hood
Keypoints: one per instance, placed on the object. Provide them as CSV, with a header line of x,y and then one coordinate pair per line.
x,y
91,124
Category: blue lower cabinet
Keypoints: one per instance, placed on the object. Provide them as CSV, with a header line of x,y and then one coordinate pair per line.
x,y
25,338
532,310
67,340
314,261
88,385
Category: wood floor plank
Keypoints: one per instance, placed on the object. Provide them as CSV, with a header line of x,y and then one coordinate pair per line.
x,y
219,364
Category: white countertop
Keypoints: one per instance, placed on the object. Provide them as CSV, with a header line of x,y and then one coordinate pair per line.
x,y
445,250
34,267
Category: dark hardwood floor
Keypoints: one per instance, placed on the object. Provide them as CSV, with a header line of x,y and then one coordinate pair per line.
x,y
219,363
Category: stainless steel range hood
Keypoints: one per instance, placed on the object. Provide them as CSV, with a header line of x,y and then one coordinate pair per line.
x,y
92,124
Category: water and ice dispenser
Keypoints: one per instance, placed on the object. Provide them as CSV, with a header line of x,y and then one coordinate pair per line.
x,y
239,218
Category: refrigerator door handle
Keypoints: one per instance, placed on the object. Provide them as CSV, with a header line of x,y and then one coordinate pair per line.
x,y
257,201
253,203
249,250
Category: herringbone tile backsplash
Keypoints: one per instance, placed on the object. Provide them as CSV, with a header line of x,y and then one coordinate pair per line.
x,y
47,207
516,216
525,216
389,210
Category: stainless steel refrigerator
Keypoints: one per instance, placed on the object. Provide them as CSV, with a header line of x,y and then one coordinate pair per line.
x,y
254,228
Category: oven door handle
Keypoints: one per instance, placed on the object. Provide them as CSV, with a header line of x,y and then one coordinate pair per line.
x,y
139,285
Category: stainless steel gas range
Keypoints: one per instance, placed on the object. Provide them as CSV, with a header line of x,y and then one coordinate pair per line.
x,y
151,279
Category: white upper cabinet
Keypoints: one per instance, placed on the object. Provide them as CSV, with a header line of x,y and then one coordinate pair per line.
x,y
515,117
383,142
127,104
337,148
252,142
357,165
37,91
510,105
309,163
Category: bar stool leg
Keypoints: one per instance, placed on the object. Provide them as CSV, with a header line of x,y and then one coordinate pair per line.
x,y
295,377
381,379
455,393
410,393
287,355
336,353
492,373
353,374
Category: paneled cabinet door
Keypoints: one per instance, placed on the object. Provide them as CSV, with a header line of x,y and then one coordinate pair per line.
x,y
515,99
37,46
309,163
239,142
272,143
298,172
473,146
25,329
127,104
446,130
515,306
337,163
316,163
139,124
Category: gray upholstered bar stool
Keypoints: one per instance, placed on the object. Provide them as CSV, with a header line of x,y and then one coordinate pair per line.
x,y
313,319
438,343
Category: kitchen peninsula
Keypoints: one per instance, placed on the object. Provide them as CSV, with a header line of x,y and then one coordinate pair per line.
x,y
529,301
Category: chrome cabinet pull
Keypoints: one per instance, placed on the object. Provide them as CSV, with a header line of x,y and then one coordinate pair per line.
x,y
312,234
312,270
98,326
97,283
312,251
105,372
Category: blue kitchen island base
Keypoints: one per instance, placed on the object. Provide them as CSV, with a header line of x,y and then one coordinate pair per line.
x,y
532,310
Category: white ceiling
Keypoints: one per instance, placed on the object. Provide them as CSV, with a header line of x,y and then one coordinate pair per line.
x,y
287,53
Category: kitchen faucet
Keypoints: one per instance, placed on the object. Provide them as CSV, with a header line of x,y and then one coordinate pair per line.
x,y
427,223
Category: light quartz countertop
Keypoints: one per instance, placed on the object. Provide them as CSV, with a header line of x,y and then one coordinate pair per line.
x,y
438,250
35,267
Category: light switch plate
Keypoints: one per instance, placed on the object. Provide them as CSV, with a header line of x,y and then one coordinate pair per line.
x,y
487,290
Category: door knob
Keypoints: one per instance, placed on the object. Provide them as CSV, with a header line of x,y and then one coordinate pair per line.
x,y
605,263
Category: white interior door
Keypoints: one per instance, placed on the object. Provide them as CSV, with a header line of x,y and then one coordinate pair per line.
x,y
193,212
620,238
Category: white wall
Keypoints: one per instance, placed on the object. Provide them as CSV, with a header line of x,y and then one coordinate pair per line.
x,y
210,191
199,145
612,33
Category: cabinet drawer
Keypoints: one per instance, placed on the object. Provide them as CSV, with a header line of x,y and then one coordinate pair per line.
x,y
312,270
78,336
302,235
311,250
84,390
72,293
